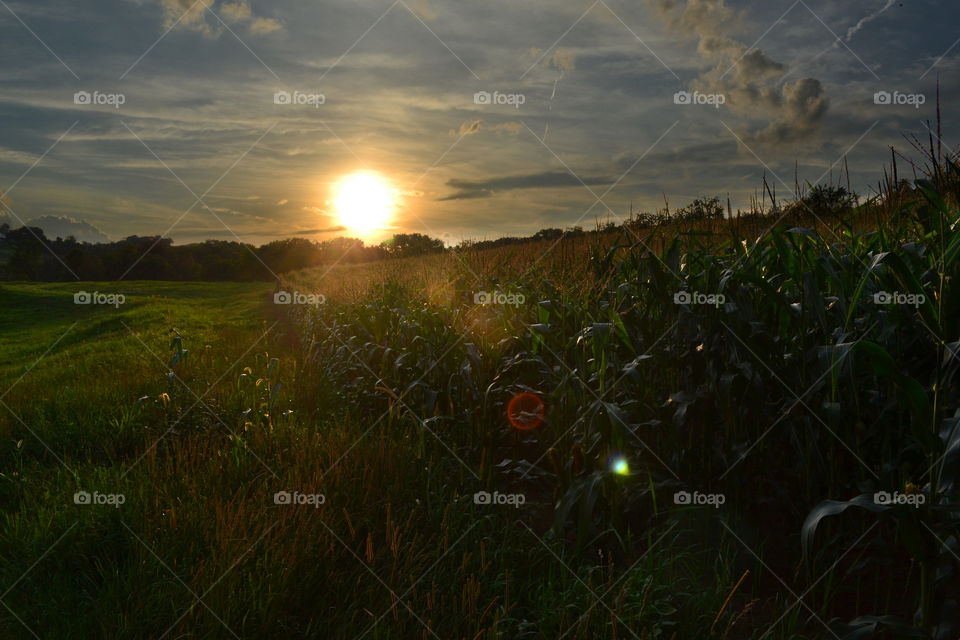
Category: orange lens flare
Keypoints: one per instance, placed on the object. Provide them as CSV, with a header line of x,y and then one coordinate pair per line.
x,y
525,411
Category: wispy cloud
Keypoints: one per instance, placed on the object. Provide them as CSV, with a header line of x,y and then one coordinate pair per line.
x,y
468,189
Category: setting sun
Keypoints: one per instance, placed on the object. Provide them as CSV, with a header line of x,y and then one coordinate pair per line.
x,y
364,202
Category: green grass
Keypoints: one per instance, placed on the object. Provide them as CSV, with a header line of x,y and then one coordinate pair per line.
x,y
82,360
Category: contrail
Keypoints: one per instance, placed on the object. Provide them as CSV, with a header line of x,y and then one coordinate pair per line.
x,y
550,106
873,16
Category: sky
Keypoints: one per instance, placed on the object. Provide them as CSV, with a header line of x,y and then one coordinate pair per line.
x,y
239,119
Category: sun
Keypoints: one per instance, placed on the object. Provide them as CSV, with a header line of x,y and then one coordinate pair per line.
x,y
364,202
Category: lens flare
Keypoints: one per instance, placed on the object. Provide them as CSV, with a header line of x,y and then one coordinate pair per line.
x,y
618,465
525,411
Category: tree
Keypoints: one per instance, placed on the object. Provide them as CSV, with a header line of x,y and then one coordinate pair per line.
x,y
26,246
548,234
702,209
289,254
404,245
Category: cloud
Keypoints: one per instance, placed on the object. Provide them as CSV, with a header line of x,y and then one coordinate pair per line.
x,y
303,232
422,9
61,227
467,189
282,202
17,156
803,106
563,60
748,78
239,12
511,128
236,12
264,25
324,230
468,128
755,65
189,14
192,14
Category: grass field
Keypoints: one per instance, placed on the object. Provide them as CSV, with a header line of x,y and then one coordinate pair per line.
x,y
717,418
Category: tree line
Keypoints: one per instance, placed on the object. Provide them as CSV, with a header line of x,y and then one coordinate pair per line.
x,y
27,254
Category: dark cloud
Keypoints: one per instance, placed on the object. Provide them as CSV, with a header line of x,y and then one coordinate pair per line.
x,y
311,232
303,232
468,189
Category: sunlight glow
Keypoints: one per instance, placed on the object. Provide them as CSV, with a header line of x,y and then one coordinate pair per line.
x,y
364,202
